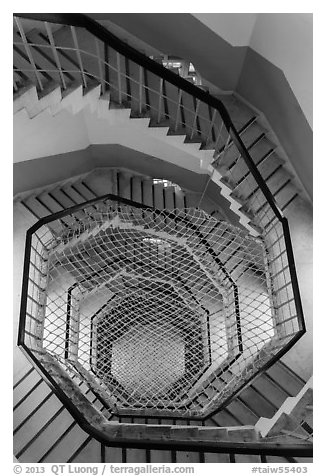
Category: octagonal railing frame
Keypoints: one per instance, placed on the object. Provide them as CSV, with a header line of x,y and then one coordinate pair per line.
x,y
223,366
118,385
59,215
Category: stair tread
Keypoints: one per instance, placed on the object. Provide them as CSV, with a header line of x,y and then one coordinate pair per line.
x,y
48,438
25,386
29,404
36,424
68,60
286,379
66,446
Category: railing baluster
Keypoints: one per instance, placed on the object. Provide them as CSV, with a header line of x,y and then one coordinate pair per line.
x,y
211,131
177,118
128,83
194,124
106,65
15,85
159,112
55,53
119,78
74,37
29,52
165,102
141,76
147,102
221,154
100,69
218,136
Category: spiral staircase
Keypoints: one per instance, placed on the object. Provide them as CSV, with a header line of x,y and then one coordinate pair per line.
x,y
74,390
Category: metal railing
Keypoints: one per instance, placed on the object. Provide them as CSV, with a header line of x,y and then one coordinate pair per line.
x,y
151,90
53,328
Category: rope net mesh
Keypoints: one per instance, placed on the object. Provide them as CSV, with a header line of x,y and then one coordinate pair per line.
x,y
162,312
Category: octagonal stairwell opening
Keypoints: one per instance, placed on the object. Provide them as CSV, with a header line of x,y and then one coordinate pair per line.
x,y
161,313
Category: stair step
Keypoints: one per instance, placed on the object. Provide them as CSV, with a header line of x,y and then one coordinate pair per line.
x,y
65,446
285,378
88,452
68,62
40,211
249,137
47,439
102,184
239,112
124,185
21,62
257,403
80,188
243,182
225,418
71,194
242,412
26,94
275,182
30,402
270,390
53,206
43,56
36,424
60,195
25,386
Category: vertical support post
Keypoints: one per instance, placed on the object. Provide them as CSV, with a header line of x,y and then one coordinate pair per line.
x,y
159,112
15,85
211,130
74,37
238,317
141,76
55,53
119,78
194,124
100,69
106,65
177,119
68,318
218,134
221,154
